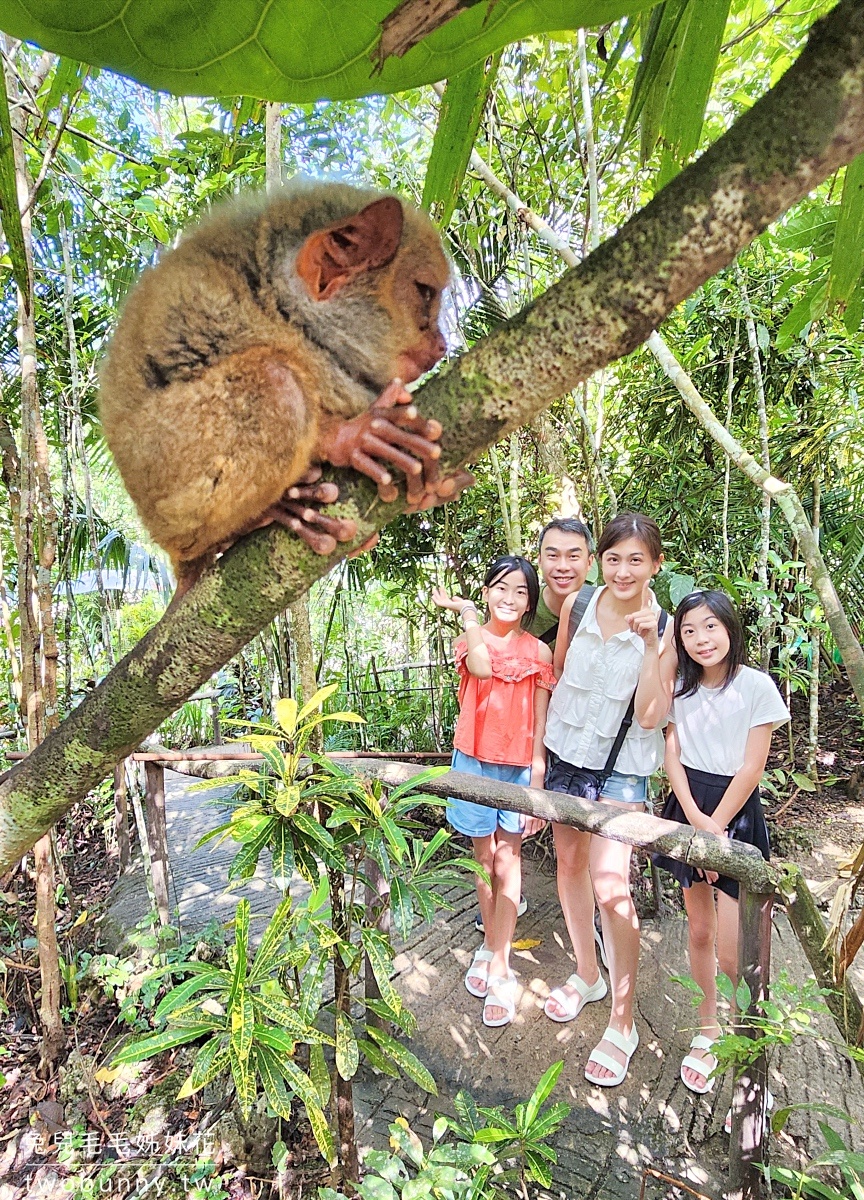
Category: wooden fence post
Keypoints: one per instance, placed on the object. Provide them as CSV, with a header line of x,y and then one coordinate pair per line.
x,y
157,835
749,1101
121,815
217,724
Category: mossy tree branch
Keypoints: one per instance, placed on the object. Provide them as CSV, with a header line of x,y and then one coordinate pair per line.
x,y
799,133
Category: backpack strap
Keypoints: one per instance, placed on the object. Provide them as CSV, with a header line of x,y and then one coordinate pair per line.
x,y
577,612
627,719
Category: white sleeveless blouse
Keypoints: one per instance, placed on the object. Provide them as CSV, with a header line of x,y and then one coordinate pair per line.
x,y
591,698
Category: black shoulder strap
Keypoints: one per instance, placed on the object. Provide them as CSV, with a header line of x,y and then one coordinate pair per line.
x,y
627,719
580,607
577,612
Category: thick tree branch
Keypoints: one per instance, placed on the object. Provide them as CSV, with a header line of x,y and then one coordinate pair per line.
x,y
808,125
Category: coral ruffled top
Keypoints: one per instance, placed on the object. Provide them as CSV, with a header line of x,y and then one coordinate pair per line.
x,y
496,716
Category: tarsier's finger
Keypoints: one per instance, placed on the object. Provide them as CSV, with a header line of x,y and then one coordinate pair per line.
x,y
421,447
410,418
321,543
376,446
387,490
321,493
394,393
343,529
312,475
369,544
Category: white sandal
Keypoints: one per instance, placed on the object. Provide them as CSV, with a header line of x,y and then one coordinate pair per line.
x,y
573,1005
500,993
627,1045
481,955
703,1066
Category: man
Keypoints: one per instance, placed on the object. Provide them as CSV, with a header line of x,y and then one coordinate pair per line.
x,y
566,552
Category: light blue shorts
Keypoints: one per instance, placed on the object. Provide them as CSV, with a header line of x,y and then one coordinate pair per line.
x,y
626,789
476,820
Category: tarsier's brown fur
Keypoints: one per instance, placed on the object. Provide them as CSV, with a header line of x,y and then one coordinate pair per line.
x,y
240,357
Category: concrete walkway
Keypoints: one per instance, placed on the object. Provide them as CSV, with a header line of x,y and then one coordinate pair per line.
x,y
611,1135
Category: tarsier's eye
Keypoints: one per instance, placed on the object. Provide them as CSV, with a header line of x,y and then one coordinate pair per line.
x,y
427,293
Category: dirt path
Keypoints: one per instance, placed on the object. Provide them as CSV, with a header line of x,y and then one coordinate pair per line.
x,y
611,1135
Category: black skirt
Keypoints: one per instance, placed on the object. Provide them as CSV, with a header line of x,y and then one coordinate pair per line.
x,y
748,825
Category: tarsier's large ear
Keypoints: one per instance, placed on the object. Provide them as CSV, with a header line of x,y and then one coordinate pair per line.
x,y
332,257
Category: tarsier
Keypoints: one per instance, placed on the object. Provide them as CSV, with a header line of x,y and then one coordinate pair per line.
x,y
276,336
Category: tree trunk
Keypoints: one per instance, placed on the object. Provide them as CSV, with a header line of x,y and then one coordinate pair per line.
x,y
809,124
727,470
514,503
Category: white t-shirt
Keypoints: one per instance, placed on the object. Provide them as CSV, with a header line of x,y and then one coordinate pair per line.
x,y
714,723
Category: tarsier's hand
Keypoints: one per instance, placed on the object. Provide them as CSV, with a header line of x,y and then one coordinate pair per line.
x,y
392,431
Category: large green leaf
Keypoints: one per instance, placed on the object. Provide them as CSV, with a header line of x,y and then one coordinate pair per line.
x,y
282,49
684,110
846,256
459,117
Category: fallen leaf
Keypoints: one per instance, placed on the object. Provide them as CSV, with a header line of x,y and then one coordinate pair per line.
x,y
526,943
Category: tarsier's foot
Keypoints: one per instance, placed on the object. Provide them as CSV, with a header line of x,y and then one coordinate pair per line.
x,y
444,489
298,511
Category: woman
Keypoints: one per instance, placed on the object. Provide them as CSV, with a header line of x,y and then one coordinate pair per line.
x,y
618,654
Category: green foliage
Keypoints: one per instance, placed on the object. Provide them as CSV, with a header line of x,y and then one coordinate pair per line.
x,y
251,1025
461,111
276,51
476,1164
260,1018
810,1182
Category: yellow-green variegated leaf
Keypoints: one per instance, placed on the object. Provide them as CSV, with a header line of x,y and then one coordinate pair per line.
x,y
303,1087
407,1062
272,940
319,1073
244,1081
286,715
317,701
242,1025
376,950
273,1082
347,1053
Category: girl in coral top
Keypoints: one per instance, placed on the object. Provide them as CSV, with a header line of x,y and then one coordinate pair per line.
x,y
505,677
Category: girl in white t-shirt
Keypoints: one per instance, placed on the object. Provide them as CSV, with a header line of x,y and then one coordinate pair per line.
x,y
717,743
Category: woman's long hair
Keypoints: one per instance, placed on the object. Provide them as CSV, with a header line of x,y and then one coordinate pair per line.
x,y
513,562
689,671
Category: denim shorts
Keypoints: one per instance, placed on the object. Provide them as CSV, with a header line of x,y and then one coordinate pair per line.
x,y
476,820
626,789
